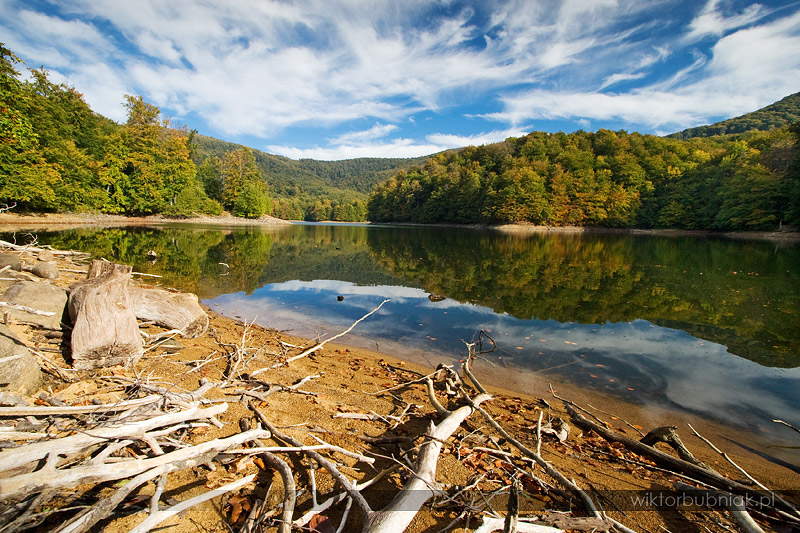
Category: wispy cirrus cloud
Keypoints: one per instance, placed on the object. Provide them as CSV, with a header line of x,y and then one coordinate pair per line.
x,y
258,71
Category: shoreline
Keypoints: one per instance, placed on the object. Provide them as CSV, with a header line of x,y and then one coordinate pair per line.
x,y
18,222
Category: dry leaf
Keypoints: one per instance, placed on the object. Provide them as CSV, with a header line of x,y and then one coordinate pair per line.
x,y
239,507
321,524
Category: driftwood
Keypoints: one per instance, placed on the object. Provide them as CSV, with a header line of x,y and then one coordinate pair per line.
x,y
53,479
735,505
705,475
669,435
180,311
105,331
28,456
104,309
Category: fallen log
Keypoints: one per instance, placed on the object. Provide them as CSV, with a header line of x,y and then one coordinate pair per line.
x,y
105,331
705,475
179,311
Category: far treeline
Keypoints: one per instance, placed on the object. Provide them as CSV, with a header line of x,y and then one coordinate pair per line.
x,y
749,181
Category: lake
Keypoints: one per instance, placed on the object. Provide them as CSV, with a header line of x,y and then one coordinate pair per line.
x,y
702,325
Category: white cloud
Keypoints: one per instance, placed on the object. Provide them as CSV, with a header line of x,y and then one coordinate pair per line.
x,y
395,148
375,132
256,69
446,140
712,22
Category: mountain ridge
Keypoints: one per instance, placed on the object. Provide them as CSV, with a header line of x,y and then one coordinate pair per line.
x,y
778,114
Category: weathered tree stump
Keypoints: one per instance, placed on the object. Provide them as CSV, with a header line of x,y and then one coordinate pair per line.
x,y
179,311
105,331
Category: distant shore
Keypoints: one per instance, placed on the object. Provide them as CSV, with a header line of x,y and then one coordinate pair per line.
x,y
16,222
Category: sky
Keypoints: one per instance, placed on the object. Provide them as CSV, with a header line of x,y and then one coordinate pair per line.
x,y
340,79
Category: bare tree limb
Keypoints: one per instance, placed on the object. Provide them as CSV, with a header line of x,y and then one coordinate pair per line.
x,y
318,346
156,518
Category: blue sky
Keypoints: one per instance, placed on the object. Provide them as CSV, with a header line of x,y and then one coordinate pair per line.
x,y
336,79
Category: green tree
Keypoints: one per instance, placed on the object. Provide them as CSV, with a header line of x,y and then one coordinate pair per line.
x,y
252,201
237,169
26,178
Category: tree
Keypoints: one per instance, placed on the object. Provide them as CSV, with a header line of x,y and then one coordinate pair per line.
x,y
252,201
237,169
26,178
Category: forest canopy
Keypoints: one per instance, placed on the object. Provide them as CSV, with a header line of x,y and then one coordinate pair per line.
x,y
616,179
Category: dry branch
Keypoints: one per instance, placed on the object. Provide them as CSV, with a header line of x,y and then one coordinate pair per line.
x,y
420,488
669,435
735,505
674,463
30,454
77,409
156,518
318,346
551,471
51,478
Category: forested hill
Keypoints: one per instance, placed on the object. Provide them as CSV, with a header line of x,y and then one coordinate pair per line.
x,y
777,115
311,189
606,178
56,154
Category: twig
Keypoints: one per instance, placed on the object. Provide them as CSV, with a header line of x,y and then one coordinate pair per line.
x,y
319,345
160,485
77,409
742,470
787,424
334,472
27,309
551,471
156,518
734,504
707,476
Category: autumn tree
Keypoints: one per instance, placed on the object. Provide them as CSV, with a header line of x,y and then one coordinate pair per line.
x,y
26,178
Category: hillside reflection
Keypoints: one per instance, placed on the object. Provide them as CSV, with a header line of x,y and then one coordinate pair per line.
x,y
743,295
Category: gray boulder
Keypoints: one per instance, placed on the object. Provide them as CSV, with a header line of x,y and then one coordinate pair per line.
x,y
11,260
46,256
39,296
19,369
46,270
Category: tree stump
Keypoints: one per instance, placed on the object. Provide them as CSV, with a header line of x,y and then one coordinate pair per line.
x,y
105,331
179,311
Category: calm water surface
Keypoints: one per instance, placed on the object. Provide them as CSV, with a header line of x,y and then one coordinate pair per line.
x,y
707,326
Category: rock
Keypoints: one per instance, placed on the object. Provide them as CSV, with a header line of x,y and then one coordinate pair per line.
x,y
45,270
19,369
47,256
40,296
12,400
10,260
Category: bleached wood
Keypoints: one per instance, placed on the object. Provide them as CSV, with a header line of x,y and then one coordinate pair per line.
x,y
180,311
156,518
52,479
77,409
105,331
30,454
421,487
